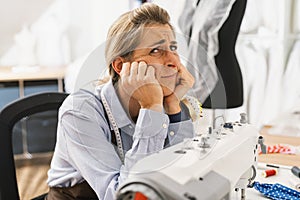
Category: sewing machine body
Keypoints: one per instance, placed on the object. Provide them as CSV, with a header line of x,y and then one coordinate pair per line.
x,y
208,167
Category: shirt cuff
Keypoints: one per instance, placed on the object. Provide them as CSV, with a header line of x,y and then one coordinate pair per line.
x,y
151,123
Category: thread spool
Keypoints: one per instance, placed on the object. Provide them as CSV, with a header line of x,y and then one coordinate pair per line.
x,y
269,172
296,171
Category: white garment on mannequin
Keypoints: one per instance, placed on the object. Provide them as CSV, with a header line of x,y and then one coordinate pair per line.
x,y
296,13
291,80
254,69
205,20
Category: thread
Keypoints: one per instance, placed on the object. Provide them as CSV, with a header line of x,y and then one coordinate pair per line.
x,y
269,172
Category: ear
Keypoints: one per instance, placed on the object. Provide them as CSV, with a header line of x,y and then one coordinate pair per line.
x,y
117,64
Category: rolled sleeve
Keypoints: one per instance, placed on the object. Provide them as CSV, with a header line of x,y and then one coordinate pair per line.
x,y
151,123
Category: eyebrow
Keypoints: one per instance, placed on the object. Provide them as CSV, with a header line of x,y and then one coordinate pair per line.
x,y
161,42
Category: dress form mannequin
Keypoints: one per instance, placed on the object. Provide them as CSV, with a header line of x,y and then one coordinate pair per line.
x,y
228,92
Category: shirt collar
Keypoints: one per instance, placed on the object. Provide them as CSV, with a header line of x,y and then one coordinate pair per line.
x,y
115,105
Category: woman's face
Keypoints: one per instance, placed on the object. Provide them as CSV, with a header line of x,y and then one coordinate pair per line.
x,y
158,48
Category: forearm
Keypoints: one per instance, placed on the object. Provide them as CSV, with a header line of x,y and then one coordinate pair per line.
x,y
172,108
148,138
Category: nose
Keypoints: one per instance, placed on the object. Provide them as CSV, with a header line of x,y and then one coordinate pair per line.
x,y
171,59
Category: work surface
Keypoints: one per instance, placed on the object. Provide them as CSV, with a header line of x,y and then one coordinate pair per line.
x,y
283,159
284,176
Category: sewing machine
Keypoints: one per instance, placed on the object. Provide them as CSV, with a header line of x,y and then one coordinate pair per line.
x,y
211,166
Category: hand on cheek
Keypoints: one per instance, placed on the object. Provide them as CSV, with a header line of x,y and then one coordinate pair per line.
x,y
185,82
139,82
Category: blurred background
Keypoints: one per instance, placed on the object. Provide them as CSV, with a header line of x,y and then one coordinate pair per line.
x,y
56,36
44,46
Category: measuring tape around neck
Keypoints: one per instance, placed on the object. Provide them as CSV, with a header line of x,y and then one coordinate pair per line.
x,y
115,128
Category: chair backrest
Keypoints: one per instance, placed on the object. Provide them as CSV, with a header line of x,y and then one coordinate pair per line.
x,y
9,115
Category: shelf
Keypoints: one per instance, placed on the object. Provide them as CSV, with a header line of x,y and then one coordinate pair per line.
x,y
8,74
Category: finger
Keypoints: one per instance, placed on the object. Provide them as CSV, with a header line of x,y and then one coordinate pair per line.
x,y
178,78
187,76
181,69
180,91
184,73
150,72
134,69
142,70
125,69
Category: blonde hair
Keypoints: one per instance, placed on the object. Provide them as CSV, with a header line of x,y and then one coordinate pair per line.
x,y
125,33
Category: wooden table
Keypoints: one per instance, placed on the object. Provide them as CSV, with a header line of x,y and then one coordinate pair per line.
x,y
34,73
277,158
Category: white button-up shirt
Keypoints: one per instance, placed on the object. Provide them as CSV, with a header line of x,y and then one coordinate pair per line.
x,y
84,150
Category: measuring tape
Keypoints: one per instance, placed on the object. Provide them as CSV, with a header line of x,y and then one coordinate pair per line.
x,y
115,127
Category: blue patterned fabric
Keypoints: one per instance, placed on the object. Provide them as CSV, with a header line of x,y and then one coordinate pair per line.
x,y
277,191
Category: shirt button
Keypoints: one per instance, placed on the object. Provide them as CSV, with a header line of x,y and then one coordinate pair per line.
x,y
130,126
172,133
165,125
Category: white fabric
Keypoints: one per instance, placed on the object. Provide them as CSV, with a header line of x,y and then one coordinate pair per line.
x,y
259,14
270,10
273,98
291,80
296,16
252,18
206,20
253,65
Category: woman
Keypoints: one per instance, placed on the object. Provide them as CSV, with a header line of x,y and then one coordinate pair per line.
x,y
137,112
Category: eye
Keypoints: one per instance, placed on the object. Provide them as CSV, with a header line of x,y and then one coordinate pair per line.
x,y
173,47
156,51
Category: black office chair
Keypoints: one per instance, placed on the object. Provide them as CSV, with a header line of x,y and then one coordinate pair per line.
x,y
9,116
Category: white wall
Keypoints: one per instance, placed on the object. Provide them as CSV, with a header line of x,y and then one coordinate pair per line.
x,y
89,22
85,22
15,13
